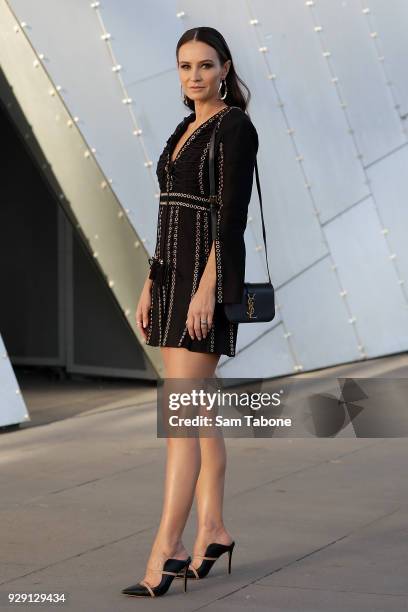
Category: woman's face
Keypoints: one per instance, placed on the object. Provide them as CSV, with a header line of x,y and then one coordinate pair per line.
x,y
200,70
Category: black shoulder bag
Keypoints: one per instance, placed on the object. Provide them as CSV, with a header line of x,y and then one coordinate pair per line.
x,y
258,299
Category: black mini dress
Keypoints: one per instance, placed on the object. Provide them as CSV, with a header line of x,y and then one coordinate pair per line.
x,y
184,237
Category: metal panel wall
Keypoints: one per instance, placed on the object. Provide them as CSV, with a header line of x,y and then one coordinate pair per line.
x,y
330,103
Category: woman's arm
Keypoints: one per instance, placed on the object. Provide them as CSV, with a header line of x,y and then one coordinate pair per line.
x,y
236,161
225,269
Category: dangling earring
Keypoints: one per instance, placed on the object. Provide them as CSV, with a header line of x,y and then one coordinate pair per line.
x,y
219,89
183,95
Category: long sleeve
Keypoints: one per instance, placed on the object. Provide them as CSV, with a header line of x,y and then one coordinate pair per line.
x,y
236,162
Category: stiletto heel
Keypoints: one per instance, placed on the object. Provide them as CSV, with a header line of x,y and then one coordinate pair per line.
x,y
213,552
185,577
229,558
171,569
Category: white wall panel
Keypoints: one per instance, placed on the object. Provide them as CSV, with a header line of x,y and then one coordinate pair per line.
x,y
143,35
371,113
390,20
12,407
369,277
69,35
324,205
389,185
269,357
312,106
317,319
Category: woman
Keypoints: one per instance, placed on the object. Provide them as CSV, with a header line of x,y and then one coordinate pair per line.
x,y
191,276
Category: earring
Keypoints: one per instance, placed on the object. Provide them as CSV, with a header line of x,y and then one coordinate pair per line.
x,y
219,89
183,95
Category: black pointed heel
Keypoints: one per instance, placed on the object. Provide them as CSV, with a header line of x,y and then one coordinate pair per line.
x,y
171,569
213,552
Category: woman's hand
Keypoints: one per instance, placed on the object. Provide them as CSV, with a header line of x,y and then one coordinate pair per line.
x,y
143,308
201,309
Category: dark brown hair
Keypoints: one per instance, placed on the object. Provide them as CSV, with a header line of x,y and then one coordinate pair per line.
x,y
212,37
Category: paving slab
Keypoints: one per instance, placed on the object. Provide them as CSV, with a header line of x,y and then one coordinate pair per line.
x,y
320,524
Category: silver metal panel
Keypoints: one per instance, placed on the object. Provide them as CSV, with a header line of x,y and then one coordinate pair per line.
x,y
293,233
87,198
307,158
268,358
316,318
348,36
369,277
144,37
390,20
311,105
82,66
389,185
12,406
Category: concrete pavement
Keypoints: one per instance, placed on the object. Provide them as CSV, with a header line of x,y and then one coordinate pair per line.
x,y
320,524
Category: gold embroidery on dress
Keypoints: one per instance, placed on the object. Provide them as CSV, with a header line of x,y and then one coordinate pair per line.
x,y
173,277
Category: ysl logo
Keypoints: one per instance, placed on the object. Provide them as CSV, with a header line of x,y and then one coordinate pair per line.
x,y
251,306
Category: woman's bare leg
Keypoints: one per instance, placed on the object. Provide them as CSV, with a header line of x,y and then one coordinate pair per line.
x,y
182,468
210,497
